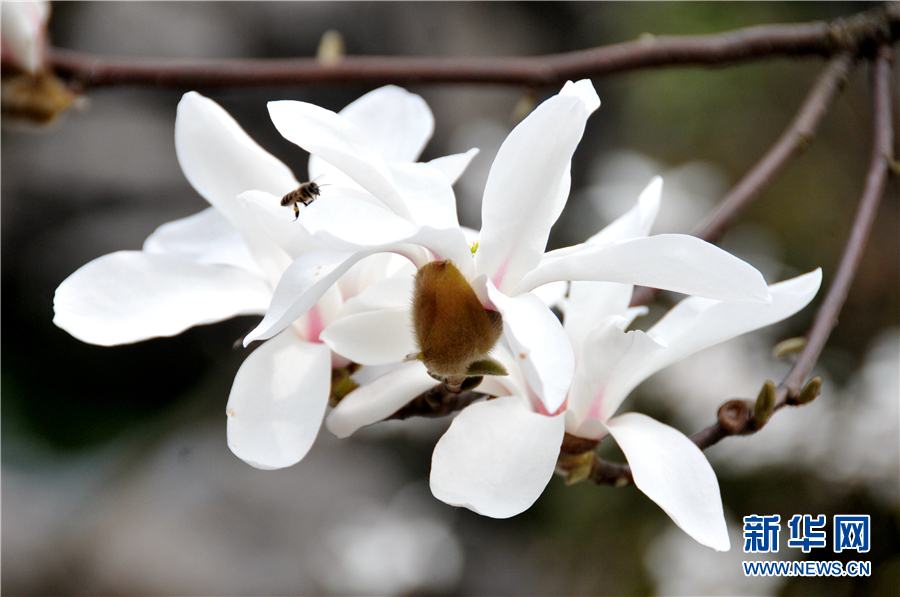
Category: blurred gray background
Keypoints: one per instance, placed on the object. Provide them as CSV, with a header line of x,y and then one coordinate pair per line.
x,y
115,474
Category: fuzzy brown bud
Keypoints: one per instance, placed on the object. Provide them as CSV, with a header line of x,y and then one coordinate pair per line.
x,y
454,332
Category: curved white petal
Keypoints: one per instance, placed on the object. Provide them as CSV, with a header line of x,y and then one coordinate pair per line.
x,y
396,123
371,270
311,324
337,141
591,303
553,294
389,293
453,166
278,400
303,283
527,188
637,221
610,365
672,471
372,338
379,399
349,224
539,345
676,262
496,458
583,90
513,384
278,222
205,237
697,323
221,161
613,362
131,296
427,194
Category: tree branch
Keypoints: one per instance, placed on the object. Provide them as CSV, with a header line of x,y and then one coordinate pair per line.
x,y
856,35
792,142
881,161
439,401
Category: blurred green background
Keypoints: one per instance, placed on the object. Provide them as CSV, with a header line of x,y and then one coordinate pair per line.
x,y
115,474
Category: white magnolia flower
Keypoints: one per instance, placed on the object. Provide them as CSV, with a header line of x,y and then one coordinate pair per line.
x,y
525,193
221,263
497,456
23,34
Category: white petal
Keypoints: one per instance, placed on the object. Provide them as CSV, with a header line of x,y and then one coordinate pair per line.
x,y
371,270
311,324
427,194
323,133
453,166
307,278
583,90
206,237
513,384
304,282
221,161
131,296
637,221
676,262
609,367
496,458
539,345
372,338
390,293
278,400
349,224
591,303
697,323
672,471
396,123
278,222
379,399
553,294
527,188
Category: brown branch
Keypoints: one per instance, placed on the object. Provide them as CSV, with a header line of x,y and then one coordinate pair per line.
x,y
792,142
439,401
736,416
852,34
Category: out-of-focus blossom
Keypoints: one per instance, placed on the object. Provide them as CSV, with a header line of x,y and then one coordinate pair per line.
x,y
221,263
679,566
498,455
29,92
23,34
396,550
525,193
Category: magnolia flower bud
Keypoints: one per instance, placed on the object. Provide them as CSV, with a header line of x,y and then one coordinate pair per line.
x,y
454,332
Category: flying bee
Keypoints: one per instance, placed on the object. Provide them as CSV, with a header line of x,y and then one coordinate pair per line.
x,y
305,194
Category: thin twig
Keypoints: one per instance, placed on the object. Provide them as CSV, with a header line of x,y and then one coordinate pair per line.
x,y
826,317
882,158
821,38
791,143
